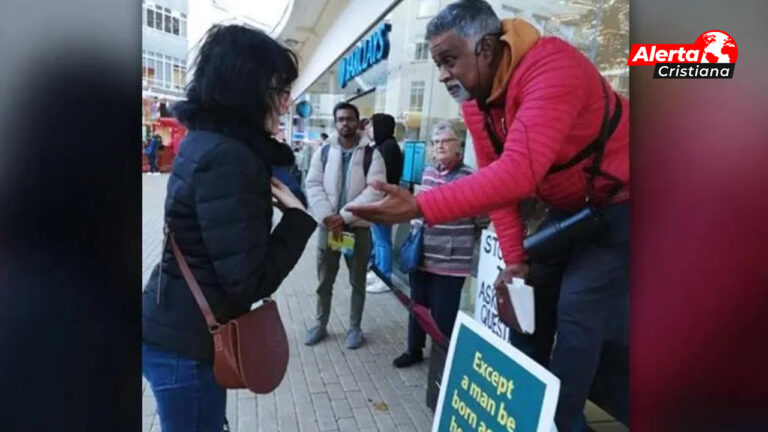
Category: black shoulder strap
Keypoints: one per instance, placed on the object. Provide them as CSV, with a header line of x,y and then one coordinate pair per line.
x,y
606,130
498,144
367,159
324,154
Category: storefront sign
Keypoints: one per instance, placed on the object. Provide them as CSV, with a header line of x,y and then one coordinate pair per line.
x,y
489,385
365,55
488,268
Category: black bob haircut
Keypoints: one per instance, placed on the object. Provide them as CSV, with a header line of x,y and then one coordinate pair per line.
x,y
347,106
240,74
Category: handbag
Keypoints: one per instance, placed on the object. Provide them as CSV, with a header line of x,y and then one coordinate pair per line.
x,y
250,351
409,255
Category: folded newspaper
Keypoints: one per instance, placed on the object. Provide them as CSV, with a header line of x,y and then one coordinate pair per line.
x,y
521,296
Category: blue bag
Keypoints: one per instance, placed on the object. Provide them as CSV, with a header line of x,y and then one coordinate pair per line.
x,y
409,256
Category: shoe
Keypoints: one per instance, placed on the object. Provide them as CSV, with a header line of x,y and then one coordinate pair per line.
x,y
315,335
408,359
371,278
354,338
225,428
377,287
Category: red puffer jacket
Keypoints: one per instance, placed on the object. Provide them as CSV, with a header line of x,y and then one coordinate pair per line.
x,y
553,108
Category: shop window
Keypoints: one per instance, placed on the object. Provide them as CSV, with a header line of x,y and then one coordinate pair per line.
x,y
512,11
428,8
422,51
540,20
151,71
179,76
160,72
417,96
168,75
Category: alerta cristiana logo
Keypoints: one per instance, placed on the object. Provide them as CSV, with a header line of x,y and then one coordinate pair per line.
x,y
713,55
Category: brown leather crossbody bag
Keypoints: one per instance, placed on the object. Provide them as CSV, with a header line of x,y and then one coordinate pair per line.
x,y
250,351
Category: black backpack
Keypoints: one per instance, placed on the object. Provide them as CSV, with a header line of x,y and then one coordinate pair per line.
x,y
367,157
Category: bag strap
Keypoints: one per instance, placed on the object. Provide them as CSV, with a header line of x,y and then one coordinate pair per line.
x,y
324,154
210,319
596,147
367,159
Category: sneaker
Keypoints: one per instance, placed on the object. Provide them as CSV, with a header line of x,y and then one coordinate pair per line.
x,y
377,287
371,278
408,359
354,338
315,335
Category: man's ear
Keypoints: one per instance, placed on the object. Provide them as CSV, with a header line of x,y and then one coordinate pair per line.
x,y
484,47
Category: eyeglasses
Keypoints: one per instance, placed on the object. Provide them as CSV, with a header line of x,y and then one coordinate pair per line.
x,y
444,141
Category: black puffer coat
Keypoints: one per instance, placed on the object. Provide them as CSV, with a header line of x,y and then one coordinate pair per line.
x,y
219,208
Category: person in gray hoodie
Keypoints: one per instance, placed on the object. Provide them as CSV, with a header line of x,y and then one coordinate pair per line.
x,y
342,173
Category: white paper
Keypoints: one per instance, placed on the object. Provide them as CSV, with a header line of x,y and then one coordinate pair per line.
x,y
522,299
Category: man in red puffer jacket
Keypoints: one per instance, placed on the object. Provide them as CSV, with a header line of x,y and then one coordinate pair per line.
x,y
534,107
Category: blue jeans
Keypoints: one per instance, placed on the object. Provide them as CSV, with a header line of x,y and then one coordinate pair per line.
x,y
382,248
152,160
188,398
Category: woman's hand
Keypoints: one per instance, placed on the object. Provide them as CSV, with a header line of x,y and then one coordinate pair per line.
x,y
283,198
396,207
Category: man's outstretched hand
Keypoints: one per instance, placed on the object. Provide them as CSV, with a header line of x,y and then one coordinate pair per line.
x,y
398,206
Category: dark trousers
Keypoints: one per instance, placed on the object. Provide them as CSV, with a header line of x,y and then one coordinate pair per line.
x,y
187,395
583,296
328,268
152,160
442,295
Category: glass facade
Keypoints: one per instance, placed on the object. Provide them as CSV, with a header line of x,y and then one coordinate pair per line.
x,y
164,19
406,85
163,71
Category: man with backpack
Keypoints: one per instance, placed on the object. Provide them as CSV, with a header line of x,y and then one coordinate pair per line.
x,y
342,173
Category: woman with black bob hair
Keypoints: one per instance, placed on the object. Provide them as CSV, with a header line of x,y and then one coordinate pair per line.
x,y
219,210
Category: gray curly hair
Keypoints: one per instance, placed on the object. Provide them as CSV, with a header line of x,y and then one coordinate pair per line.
x,y
469,18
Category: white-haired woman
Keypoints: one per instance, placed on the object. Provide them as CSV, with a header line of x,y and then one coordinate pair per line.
x,y
448,248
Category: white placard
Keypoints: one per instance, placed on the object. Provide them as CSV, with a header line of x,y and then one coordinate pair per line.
x,y
488,268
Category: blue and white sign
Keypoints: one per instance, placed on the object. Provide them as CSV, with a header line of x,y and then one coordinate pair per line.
x,y
304,109
489,385
365,55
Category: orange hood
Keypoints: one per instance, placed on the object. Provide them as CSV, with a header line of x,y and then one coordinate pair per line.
x,y
518,37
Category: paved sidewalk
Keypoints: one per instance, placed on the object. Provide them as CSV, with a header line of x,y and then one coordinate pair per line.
x,y
327,387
